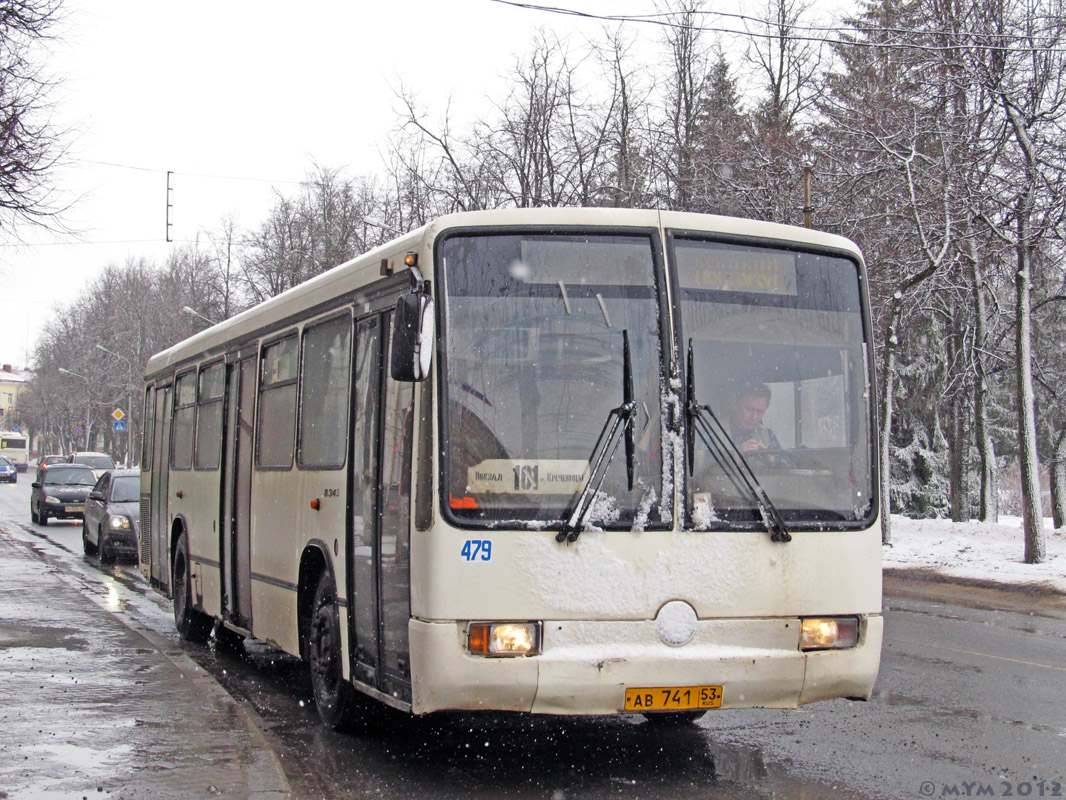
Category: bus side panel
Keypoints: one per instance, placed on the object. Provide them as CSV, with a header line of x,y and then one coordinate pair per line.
x,y
194,495
283,524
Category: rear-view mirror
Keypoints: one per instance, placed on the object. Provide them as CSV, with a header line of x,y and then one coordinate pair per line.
x,y
412,338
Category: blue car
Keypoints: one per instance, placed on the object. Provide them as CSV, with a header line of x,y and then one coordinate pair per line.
x,y
8,473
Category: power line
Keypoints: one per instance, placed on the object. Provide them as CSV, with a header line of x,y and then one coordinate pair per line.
x,y
192,174
976,41
102,242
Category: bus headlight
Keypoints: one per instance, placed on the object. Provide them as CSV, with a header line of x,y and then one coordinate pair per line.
x,y
503,638
119,523
828,633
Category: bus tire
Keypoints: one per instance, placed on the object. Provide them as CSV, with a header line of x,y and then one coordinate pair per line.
x,y
335,698
192,625
674,718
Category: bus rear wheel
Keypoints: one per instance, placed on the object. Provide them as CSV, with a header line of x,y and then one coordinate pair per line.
x,y
192,625
335,698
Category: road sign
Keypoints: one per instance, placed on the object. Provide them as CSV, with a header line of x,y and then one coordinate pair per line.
x,y
78,430
118,414
119,426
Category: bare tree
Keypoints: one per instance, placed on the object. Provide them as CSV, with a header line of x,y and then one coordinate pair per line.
x,y
885,131
628,184
275,256
684,88
1016,55
30,146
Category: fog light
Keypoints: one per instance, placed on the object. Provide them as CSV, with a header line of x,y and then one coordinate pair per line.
x,y
503,638
829,633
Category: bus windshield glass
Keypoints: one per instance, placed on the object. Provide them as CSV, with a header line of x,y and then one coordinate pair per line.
x,y
534,326
778,356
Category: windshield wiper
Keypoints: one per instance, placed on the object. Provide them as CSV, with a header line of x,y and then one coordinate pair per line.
x,y
702,421
618,420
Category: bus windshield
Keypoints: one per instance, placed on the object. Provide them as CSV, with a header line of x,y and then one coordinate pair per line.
x,y
534,326
778,356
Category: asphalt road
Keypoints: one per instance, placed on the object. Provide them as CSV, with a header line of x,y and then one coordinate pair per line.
x,y
968,703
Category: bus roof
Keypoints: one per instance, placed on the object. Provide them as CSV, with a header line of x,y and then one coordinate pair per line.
x,y
366,268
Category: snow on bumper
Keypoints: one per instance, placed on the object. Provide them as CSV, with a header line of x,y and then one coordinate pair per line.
x,y
585,667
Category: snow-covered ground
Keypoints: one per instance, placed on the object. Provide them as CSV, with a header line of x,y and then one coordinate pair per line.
x,y
986,551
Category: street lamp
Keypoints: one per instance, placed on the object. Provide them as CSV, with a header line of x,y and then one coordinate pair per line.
x,y
129,399
89,404
384,227
192,312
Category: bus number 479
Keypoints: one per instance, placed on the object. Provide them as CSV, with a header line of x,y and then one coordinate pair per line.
x,y
474,549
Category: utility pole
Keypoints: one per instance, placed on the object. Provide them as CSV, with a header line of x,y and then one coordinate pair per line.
x,y
807,210
170,205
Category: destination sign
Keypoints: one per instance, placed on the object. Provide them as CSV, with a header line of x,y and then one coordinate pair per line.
x,y
527,476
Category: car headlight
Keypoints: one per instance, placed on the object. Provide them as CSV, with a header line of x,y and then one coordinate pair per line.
x,y
119,523
829,633
49,499
503,638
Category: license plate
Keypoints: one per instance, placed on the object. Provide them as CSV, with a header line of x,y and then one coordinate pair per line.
x,y
673,698
75,508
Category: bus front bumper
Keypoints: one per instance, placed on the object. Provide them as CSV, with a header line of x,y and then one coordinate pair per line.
x,y
586,667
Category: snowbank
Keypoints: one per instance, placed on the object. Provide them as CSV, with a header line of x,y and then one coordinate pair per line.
x,y
986,551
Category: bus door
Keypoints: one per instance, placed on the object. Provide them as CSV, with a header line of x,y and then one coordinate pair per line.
x,y
379,523
235,531
160,554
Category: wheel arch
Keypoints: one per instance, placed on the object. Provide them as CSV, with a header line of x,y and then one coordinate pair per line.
x,y
314,561
178,526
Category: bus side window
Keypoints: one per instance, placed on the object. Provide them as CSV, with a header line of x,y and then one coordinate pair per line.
x,y
324,382
209,417
276,431
184,422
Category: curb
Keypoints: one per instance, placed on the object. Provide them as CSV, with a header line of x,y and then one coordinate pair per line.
x,y
1024,598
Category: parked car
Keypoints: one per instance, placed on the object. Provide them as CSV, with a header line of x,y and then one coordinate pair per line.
x,y
60,492
98,462
8,471
111,511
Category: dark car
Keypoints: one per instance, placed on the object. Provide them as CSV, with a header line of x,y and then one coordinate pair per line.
x,y
98,461
111,511
60,492
47,461
8,472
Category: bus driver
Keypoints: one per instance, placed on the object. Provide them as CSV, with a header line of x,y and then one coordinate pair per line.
x,y
746,425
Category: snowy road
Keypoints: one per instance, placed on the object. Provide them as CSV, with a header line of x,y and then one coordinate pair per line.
x,y
966,698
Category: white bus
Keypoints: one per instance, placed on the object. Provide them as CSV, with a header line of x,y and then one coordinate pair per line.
x,y
16,448
558,461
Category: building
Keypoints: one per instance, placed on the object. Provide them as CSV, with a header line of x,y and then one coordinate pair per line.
x,y
12,383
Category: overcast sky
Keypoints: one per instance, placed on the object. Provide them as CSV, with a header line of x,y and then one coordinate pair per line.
x,y
237,97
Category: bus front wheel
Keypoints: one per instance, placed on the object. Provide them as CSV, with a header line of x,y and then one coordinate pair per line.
x,y
335,698
673,718
192,625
